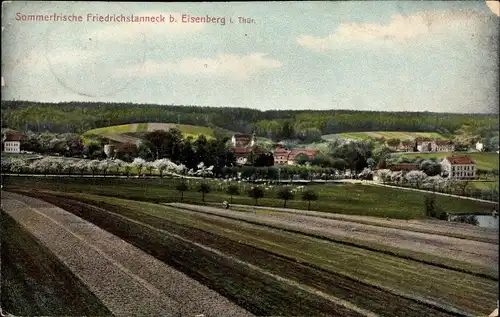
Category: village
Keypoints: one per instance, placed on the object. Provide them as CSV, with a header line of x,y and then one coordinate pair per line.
x,y
244,148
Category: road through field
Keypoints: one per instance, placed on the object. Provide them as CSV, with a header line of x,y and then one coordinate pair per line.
x,y
261,282
469,251
452,229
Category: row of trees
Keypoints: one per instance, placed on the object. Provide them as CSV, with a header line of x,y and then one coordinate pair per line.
x,y
161,167
78,117
420,180
284,193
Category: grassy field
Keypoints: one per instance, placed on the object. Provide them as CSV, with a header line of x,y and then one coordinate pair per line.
x,y
383,134
485,184
139,128
486,161
381,283
35,283
353,199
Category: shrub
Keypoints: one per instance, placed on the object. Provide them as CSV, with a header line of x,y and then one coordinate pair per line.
x,y
470,219
430,206
432,210
285,193
309,195
204,188
256,193
233,190
182,187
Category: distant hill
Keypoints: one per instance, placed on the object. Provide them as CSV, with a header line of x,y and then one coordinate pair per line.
x,y
78,117
132,132
383,134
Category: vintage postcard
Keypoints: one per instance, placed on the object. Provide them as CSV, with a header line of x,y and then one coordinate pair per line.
x,y
218,159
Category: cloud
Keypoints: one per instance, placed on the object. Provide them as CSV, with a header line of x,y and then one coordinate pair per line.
x,y
129,31
36,60
401,29
231,66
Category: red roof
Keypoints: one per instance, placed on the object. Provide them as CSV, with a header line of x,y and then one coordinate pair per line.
x,y
281,150
460,160
295,152
13,136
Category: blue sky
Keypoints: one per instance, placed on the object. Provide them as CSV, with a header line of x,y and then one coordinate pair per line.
x,y
378,55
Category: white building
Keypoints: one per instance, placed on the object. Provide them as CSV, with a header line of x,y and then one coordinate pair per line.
x,y
459,167
435,146
12,142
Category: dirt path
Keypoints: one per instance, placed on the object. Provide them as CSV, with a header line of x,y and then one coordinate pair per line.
x,y
469,251
453,229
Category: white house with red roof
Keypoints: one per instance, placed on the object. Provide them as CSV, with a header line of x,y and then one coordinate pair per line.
x,y
12,142
458,166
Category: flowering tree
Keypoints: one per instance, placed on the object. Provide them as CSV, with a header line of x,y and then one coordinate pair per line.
x,y
5,165
117,163
385,175
43,165
67,167
415,178
80,166
17,165
105,165
161,165
181,168
433,183
127,167
150,167
94,166
139,163
201,171
397,178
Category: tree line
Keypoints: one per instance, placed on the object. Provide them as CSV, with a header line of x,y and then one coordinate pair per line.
x,y
78,117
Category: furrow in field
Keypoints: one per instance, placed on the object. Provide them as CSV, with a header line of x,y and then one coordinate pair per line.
x,y
456,230
251,256
260,294
474,252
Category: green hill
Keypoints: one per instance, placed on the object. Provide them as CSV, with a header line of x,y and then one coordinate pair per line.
x,y
384,134
131,132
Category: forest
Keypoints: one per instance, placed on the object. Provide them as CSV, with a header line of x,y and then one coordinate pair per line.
x,y
78,117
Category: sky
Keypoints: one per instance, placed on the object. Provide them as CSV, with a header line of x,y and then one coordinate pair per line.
x,y
361,55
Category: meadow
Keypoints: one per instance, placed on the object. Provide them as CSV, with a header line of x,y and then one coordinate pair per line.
x,y
486,161
362,136
341,198
141,128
